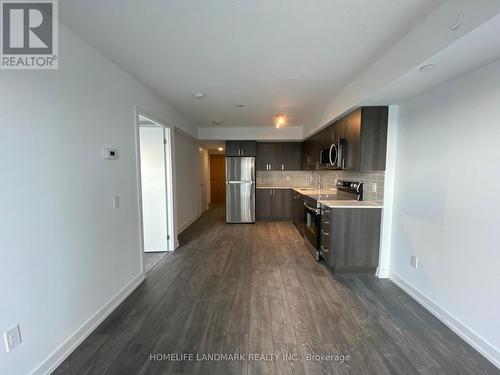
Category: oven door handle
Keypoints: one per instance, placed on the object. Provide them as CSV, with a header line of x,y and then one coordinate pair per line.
x,y
315,210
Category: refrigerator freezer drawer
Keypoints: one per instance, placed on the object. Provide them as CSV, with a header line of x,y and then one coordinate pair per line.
x,y
240,202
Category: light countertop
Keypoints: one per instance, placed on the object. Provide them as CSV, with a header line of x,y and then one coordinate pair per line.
x,y
274,187
326,197
350,204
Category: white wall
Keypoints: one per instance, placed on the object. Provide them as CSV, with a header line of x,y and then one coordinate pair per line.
x,y
188,180
446,208
153,188
65,252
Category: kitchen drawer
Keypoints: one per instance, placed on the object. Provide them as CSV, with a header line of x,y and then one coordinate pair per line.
x,y
325,224
326,253
325,241
325,219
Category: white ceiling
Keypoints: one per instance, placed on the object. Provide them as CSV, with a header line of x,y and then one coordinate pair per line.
x,y
290,56
476,49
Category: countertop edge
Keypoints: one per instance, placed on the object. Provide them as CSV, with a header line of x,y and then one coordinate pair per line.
x,y
355,204
329,203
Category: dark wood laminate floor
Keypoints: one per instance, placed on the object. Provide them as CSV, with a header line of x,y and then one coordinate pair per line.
x,y
256,289
150,260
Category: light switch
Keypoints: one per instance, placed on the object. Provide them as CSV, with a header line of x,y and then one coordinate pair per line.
x,y
12,338
116,201
414,261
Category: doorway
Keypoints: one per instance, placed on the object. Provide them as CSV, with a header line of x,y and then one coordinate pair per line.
x,y
217,179
155,191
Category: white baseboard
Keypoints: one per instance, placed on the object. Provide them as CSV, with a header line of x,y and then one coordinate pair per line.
x,y
383,273
471,337
188,224
50,363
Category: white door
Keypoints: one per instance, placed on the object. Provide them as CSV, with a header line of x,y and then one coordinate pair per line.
x,y
153,185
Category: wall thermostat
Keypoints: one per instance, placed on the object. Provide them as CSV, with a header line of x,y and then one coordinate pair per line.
x,y
110,153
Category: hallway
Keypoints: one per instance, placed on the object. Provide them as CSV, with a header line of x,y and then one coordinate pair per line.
x,y
256,289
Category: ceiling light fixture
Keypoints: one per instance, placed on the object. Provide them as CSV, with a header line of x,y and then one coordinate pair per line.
x,y
199,95
427,67
280,120
221,149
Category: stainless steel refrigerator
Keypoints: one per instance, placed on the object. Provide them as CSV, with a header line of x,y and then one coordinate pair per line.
x,y
240,190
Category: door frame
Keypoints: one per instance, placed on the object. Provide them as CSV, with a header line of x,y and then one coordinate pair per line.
x,y
169,181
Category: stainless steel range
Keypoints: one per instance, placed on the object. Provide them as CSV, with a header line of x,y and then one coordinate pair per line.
x,y
310,225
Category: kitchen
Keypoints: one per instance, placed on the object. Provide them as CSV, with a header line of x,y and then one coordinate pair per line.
x,y
330,186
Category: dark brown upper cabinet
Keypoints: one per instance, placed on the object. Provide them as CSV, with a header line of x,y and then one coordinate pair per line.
x,y
278,156
306,154
310,152
290,156
241,148
365,133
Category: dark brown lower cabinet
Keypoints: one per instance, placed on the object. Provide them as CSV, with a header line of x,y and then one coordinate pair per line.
x,y
273,204
352,239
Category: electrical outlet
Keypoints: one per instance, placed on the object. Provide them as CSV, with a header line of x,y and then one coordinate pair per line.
x,y
414,261
116,201
12,338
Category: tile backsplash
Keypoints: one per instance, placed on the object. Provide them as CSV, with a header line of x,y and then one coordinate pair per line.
x,y
373,181
285,178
